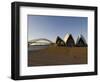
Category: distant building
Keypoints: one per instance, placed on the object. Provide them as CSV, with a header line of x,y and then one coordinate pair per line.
x,y
69,41
81,42
60,42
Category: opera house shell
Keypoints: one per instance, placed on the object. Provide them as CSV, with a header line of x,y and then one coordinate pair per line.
x,y
60,42
69,41
81,42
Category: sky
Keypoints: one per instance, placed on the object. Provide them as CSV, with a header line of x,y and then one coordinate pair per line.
x,y
50,27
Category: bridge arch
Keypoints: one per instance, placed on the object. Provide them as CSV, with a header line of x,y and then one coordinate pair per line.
x,y
40,41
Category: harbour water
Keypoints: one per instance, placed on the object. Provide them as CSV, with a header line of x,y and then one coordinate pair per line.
x,y
37,47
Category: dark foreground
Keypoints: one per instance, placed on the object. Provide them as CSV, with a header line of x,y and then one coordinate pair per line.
x,y
54,55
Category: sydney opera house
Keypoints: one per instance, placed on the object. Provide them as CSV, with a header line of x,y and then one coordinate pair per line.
x,y
69,41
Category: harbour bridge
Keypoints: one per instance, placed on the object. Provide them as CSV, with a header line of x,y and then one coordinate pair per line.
x,y
40,41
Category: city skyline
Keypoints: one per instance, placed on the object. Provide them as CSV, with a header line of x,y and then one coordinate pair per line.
x,y
50,27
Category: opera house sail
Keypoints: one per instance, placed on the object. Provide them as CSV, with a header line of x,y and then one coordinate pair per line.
x,y
81,42
69,41
60,42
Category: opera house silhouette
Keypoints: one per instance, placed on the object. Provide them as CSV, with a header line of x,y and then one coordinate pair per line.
x,y
69,41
